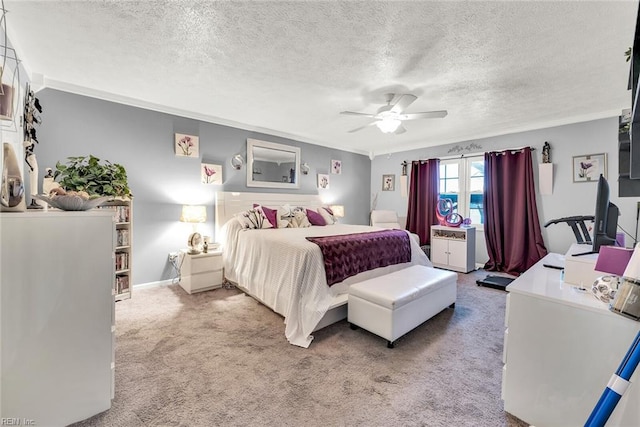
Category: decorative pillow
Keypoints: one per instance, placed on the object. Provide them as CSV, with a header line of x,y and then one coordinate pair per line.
x,y
315,218
271,214
327,215
284,216
299,219
253,219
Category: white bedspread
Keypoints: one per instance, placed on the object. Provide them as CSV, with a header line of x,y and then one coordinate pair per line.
x,y
286,272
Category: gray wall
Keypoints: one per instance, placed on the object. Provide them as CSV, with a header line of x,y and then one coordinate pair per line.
x,y
568,198
143,142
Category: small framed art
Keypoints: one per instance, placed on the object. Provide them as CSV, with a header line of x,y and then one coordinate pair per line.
x,y
186,145
336,167
388,182
588,168
211,174
323,181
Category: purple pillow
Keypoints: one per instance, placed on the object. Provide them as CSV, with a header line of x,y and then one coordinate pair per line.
x,y
315,218
271,214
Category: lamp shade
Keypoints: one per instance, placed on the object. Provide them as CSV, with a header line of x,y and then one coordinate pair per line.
x,y
338,210
193,214
613,259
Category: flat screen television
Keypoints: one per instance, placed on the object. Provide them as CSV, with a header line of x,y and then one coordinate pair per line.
x,y
605,220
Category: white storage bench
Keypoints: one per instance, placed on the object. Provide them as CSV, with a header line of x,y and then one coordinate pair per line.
x,y
392,305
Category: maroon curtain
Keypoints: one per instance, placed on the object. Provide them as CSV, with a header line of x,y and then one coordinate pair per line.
x,y
423,198
511,228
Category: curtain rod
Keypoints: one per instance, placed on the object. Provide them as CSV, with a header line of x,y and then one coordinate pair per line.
x,y
512,150
461,156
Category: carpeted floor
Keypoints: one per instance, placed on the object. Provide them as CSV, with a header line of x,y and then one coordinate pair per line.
x,y
220,358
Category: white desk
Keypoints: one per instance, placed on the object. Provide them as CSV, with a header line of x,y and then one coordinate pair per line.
x,y
561,347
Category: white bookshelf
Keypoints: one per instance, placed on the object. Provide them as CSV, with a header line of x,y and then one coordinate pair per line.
x,y
123,260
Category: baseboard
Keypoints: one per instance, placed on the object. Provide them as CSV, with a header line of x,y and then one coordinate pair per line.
x,y
153,284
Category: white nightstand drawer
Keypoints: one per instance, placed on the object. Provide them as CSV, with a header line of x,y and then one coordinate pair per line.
x,y
206,280
202,263
202,282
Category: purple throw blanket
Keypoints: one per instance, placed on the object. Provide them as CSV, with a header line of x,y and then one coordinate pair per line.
x,y
349,254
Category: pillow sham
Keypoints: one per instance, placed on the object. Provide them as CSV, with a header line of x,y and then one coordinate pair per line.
x,y
271,214
253,219
327,215
315,218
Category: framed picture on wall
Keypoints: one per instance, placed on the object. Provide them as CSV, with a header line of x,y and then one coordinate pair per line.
x,y
323,181
211,174
588,167
388,182
336,167
186,145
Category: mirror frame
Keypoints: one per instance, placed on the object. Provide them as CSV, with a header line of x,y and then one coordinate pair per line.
x,y
251,143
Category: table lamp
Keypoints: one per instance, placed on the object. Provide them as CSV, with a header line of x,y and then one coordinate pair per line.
x,y
194,215
338,210
627,299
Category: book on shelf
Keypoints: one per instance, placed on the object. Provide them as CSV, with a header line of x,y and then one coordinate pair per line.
x,y
122,261
122,284
122,237
122,214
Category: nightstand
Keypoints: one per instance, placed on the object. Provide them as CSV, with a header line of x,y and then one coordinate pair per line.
x,y
201,272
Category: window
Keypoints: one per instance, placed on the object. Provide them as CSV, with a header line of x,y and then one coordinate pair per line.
x,y
462,181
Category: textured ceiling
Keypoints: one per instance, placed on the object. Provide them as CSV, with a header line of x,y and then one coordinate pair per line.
x,y
289,68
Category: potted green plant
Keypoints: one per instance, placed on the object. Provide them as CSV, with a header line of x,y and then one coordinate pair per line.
x,y
90,175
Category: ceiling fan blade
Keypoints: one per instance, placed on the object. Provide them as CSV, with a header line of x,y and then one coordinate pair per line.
x,y
401,129
425,115
403,102
361,127
353,113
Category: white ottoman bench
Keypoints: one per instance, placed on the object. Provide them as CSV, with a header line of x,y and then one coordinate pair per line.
x,y
392,305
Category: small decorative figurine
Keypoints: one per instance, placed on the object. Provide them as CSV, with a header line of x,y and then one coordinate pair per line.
x,y
546,152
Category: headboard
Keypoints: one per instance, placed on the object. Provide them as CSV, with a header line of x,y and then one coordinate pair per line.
x,y
230,203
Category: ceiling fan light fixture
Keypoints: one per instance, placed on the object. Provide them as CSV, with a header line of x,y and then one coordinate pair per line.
x,y
388,125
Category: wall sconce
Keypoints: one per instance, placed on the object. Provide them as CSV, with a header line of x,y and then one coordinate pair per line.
x,y
338,210
304,168
237,161
194,215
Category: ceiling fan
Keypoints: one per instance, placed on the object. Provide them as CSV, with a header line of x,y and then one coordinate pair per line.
x,y
389,117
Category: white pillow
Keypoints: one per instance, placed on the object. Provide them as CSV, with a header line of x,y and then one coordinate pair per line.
x,y
253,219
327,215
284,216
299,219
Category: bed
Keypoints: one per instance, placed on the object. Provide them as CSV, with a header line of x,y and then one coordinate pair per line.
x,y
285,271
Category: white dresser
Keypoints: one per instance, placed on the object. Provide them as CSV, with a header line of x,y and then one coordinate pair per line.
x,y
561,347
57,316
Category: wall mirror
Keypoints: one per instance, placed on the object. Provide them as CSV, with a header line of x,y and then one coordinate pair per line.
x,y
272,165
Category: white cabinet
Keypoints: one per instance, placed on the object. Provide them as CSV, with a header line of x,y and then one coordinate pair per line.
x,y
56,315
453,248
201,272
561,347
